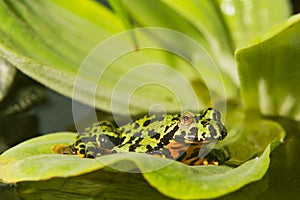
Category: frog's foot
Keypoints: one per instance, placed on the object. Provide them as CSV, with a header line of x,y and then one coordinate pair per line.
x,y
208,162
215,157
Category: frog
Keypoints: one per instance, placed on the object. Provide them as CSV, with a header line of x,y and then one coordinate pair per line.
x,y
182,137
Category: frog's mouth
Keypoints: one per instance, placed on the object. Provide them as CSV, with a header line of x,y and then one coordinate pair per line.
x,y
196,141
192,139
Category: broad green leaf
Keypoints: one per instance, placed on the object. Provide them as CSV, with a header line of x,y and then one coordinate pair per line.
x,y
119,9
269,71
175,17
93,13
212,29
219,26
246,19
29,40
34,160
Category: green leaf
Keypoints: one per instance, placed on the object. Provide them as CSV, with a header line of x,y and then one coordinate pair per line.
x,y
269,71
29,39
246,19
219,26
198,183
190,18
62,61
28,42
34,160
251,134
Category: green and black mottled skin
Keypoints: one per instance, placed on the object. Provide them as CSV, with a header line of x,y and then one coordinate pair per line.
x,y
182,137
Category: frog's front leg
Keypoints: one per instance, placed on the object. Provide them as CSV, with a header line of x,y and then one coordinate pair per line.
x,y
191,154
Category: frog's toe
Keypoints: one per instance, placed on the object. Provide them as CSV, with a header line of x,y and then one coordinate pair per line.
x,y
216,157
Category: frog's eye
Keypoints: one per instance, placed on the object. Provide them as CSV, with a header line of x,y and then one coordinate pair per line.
x,y
186,119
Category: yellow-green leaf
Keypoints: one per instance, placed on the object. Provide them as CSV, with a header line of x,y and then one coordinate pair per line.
x,y
269,71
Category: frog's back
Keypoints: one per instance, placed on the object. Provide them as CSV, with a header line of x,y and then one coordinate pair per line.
x,y
145,134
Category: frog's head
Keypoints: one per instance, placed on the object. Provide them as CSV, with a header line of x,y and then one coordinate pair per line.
x,y
206,126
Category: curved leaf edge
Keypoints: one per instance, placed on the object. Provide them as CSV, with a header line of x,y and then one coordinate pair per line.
x,y
251,171
275,30
212,181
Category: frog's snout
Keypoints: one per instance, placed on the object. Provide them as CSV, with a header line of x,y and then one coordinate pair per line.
x,y
223,132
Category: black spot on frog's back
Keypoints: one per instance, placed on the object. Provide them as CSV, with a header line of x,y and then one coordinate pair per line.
x,y
149,148
166,129
152,133
147,122
109,142
160,118
133,147
166,139
138,134
204,123
86,139
175,119
136,125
